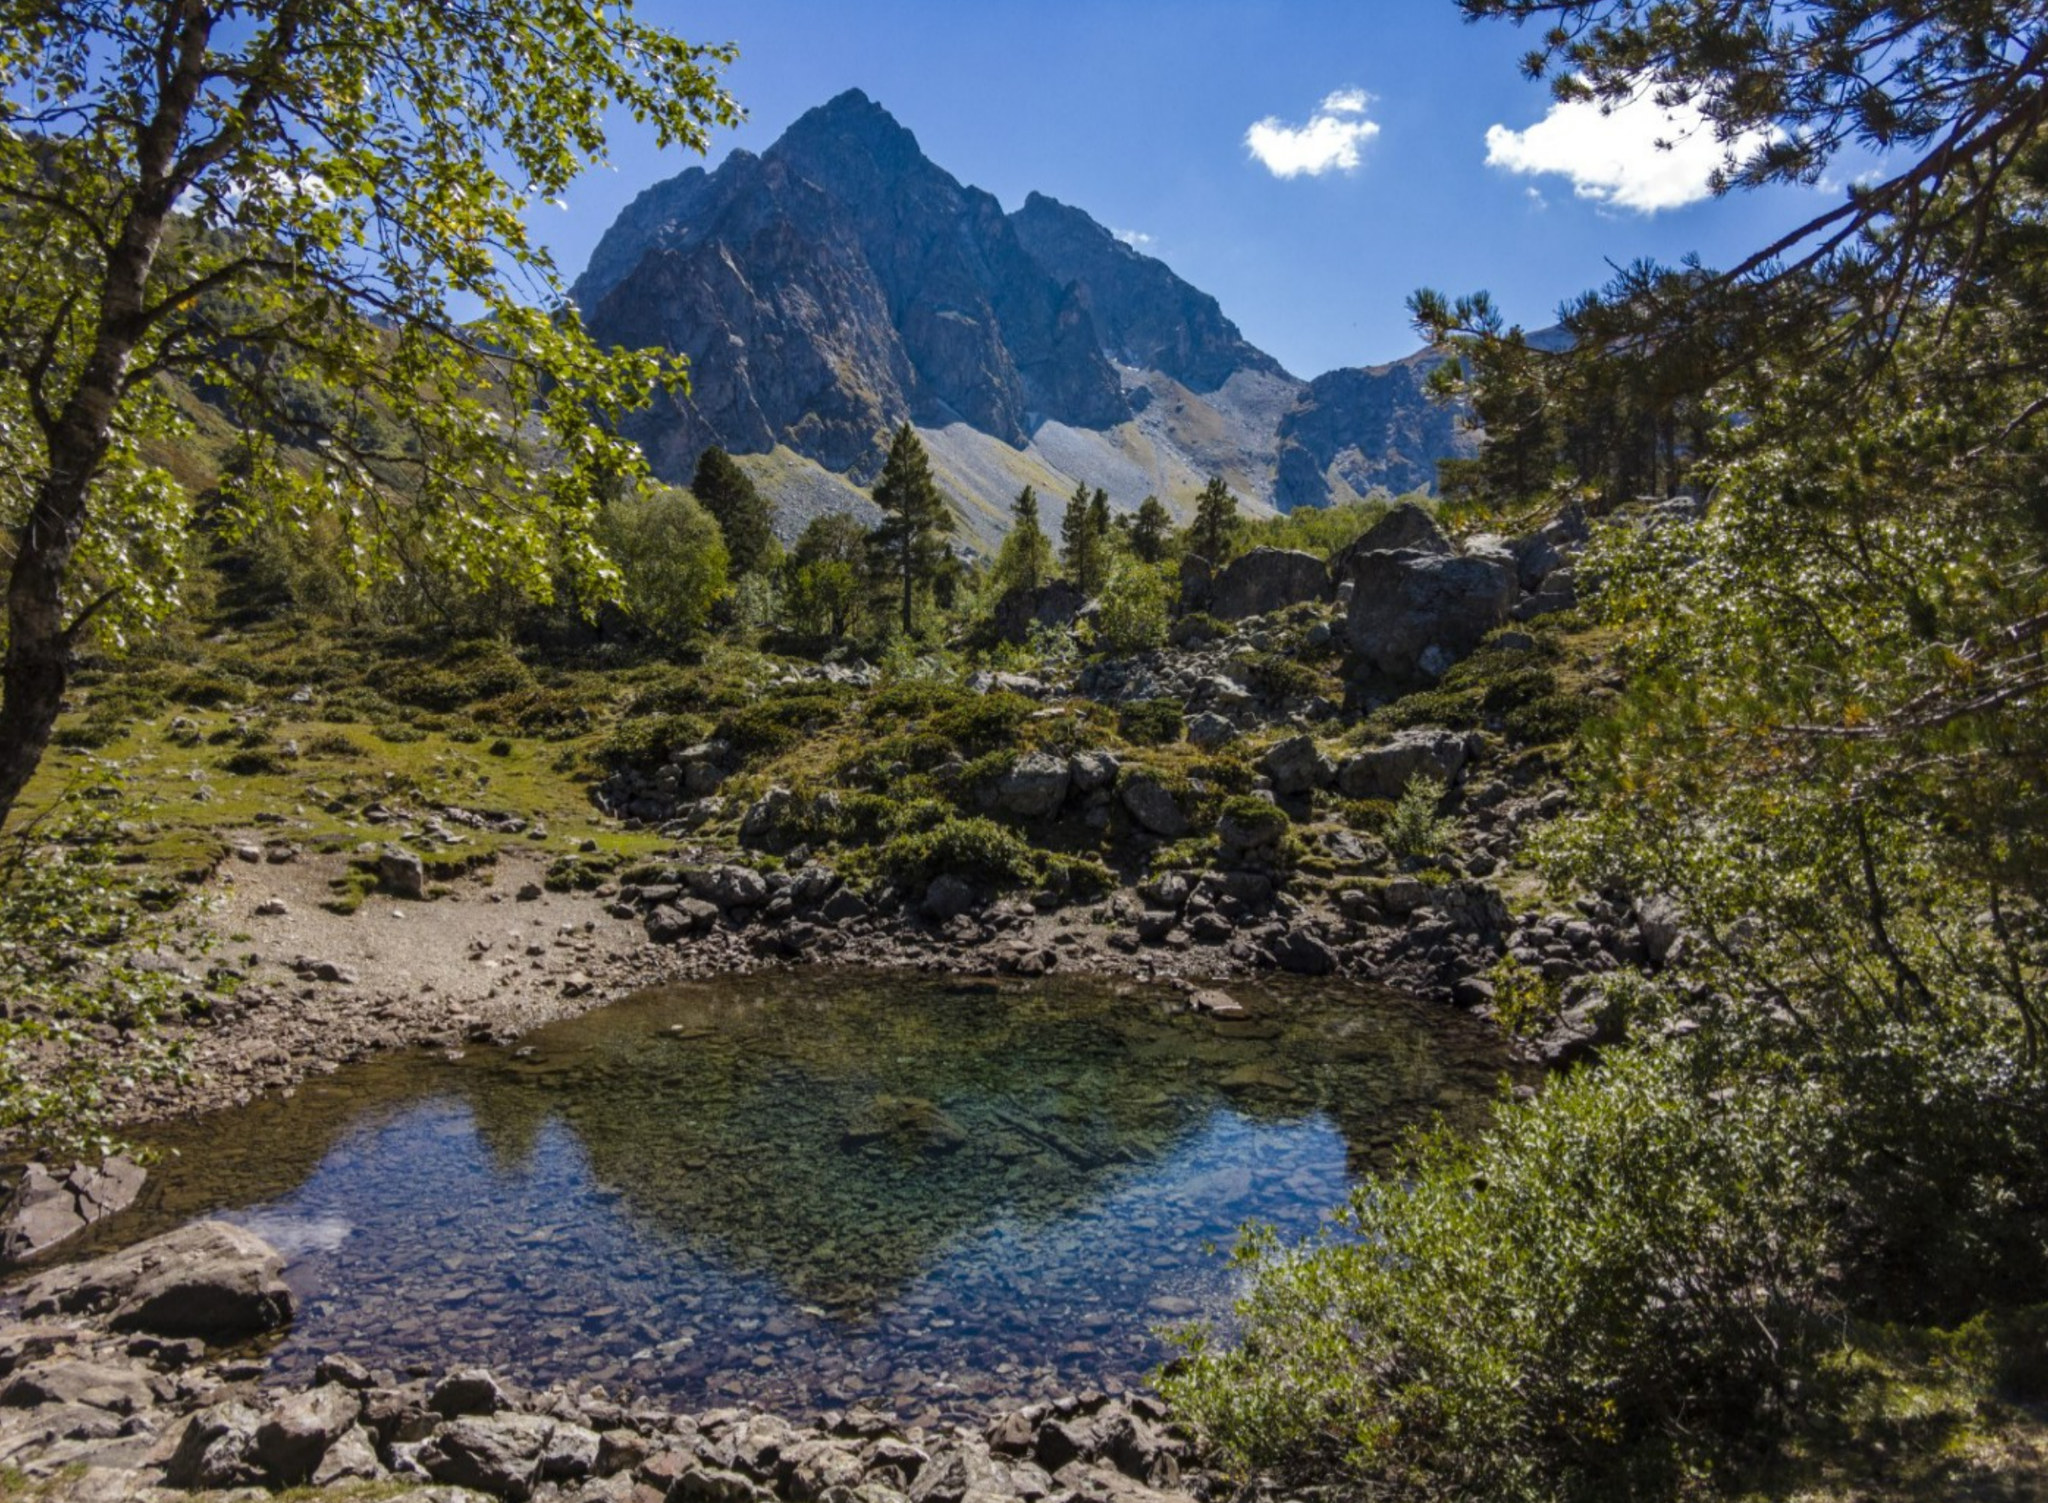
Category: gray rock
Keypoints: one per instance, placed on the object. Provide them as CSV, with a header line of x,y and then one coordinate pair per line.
x,y
1196,581
701,1484
1168,890
843,907
467,1391
668,923
1304,953
1559,593
1210,730
1407,527
765,825
1266,580
352,1458
211,1280
1412,612
293,1438
1297,766
570,1454
1092,770
948,897
1054,604
215,1449
1659,922
1033,787
47,1208
94,1385
1152,805
401,873
1403,895
1245,835
729,886
497,1454
1385,771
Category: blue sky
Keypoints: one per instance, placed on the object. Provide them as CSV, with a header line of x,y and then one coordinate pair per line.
x,y
1139,112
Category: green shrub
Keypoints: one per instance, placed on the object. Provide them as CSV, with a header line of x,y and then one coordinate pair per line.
x,y
1278,677
672,561
977,849
1151,722
1610,1287
252,762
1136,608
647,742
779,722
1415,828
982,723
333,744
91,733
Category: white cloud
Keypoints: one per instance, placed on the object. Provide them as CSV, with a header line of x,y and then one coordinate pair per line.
x,y
1329,142
1135,239
1636,155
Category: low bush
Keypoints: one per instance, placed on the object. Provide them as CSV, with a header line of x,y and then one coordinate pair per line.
x,y
979,850
1615,1283
1151,722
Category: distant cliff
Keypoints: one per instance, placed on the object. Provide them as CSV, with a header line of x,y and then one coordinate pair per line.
x,y
840,283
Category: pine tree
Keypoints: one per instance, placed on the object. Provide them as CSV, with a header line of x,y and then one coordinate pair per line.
x,y
1082,540
1149,531
1214,529
742,513
1025,560
908,547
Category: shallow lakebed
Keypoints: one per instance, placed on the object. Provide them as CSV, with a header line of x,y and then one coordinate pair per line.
x,y
808,1189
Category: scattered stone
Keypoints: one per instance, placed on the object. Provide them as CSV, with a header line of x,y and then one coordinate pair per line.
x,y
1384,771
1297,766
1267,580
1033,787
210,1280
46,1209
401,873
468,1391
1413,614
1153,806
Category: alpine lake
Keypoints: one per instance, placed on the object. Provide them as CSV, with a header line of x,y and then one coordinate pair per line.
x,y
818,1188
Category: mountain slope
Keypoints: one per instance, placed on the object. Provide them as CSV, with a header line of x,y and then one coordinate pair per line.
x,y
841,283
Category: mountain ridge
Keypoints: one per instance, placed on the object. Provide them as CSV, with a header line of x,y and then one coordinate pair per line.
x,y
841,282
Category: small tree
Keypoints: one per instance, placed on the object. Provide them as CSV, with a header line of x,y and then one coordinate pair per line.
x,y
908,548
1082,543
259,198
1024,562
1214,529
744,518
822,576
671,560
1137,608
1150,531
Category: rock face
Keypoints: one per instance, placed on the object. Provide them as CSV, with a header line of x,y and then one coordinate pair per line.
x,y
840,283
1266,580
1414,614
1385,771
47,1208
1406,526
211,1280
1355,430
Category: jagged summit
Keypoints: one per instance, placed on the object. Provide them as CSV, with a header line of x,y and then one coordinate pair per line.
x,y
841,282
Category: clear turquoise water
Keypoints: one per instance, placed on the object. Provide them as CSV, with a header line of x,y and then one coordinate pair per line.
x,y
814,1189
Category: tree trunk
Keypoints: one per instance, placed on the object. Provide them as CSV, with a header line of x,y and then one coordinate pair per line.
x,y
37,667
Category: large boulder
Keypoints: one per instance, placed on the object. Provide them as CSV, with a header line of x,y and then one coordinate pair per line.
x,y
1054,604
1407,527
1297,766
729,886
210,1280
1197,583
294,1436
47,1208
1152,805
1032,787
1414,614
1385,771
1266,580
497,1454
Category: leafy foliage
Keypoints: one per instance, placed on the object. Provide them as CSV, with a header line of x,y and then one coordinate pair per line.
x,y
671,560
77,943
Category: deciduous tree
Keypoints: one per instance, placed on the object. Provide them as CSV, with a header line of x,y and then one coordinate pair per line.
x,y
263,198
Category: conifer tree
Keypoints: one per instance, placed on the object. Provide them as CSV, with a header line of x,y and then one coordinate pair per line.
x,y
1149,530
742,513
1082,552
908,547
1024,562
1214,528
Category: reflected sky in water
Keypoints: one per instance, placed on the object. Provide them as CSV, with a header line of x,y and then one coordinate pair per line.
x,y
817,1189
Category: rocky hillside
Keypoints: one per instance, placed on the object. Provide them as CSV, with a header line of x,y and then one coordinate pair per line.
x,y
841,282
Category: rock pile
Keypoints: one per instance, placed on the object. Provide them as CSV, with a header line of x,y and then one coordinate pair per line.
x,y
112,1387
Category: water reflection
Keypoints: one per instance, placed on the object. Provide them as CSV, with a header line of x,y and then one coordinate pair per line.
x,y
812,1189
